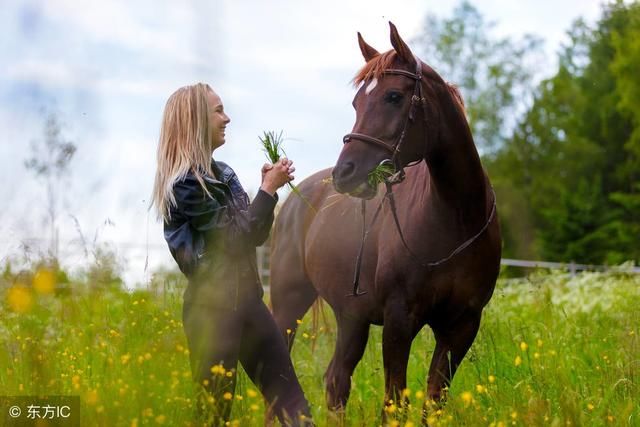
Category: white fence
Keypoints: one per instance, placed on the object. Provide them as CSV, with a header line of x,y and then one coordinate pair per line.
x,y
572,267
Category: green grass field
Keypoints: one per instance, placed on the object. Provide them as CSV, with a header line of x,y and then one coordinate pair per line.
x,y
552,350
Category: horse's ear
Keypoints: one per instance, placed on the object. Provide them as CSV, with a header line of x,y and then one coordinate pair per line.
x,y
400,46
367,51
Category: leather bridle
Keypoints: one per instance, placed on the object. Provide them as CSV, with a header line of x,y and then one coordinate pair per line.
x,y
417,100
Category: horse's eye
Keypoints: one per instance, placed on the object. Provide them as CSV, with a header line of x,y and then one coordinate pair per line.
x,y
393,97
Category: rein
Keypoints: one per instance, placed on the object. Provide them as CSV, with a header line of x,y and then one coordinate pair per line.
x,y
428,265
416,99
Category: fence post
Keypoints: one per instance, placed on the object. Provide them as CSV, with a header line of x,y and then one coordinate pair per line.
x,y
572,268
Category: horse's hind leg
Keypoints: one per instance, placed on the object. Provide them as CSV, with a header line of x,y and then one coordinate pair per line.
x,y
350,345
452,344
291,296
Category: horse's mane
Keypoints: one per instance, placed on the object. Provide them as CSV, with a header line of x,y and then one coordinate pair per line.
x,y
374,69
457,96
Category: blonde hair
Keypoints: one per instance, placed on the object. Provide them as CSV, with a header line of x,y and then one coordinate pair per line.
x,y
185,144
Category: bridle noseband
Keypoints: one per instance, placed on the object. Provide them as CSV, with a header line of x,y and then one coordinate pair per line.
x,y
417,99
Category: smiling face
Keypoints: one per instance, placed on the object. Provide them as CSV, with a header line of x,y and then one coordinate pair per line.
x,y
218,119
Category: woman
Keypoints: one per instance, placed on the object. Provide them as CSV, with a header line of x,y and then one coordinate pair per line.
x,y
212,231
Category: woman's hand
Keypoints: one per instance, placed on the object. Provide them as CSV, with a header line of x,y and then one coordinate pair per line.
x,y
276,175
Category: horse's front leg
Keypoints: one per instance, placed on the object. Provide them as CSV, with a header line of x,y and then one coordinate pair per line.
x,y
397,333
452,343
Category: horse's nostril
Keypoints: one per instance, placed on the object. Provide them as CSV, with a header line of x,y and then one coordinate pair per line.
x,y
344,171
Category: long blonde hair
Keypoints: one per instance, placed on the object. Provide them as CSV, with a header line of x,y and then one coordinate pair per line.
x,y
185,144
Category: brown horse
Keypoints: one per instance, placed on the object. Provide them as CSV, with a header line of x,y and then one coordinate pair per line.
x,y
432,249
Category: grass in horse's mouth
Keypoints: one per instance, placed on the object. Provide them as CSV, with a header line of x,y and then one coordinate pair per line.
x,y
380,174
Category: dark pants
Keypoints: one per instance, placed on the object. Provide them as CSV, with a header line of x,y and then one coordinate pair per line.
x,y
218,336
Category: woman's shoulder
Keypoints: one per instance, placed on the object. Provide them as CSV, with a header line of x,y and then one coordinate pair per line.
x,y
223,171
189,186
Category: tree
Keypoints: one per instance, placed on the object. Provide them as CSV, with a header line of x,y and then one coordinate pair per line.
x,y
493,74
50,163
573,159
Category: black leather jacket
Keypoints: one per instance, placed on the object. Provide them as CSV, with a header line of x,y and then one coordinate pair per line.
x,y
214,239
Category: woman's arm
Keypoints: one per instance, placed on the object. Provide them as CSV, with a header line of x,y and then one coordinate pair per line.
x,y
216,219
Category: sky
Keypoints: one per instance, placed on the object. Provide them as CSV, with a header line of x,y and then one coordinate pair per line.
x,y
106,68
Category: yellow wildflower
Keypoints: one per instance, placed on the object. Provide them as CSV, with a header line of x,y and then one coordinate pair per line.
x,y
44,281
218,369
518,361
227,396
492,379
91,397
19,299
467,397
524,346
252,393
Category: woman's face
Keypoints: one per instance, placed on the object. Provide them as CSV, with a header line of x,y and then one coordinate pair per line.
x,y
217,118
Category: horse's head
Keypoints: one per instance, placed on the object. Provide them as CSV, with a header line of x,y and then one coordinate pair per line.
x,y
392,112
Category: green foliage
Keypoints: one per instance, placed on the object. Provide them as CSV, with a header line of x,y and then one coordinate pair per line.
x,y
493,74
572,166
551,350
380,174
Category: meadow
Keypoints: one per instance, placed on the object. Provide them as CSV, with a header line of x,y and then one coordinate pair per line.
x,y
552,350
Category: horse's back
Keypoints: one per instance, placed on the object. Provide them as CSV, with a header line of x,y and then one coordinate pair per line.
x,y
292,223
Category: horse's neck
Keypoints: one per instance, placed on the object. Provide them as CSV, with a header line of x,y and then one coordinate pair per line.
x,y
457,175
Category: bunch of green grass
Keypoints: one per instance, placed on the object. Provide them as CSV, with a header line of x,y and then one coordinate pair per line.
x,y
272,147
380,174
